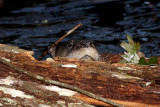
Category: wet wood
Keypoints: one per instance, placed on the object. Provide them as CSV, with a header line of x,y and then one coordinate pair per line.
x,y
127,84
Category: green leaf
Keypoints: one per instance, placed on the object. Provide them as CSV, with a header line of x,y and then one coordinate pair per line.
x,y
138,46
153,60
130,40
142,61
128,47
127,56
132,48
125,46
135,59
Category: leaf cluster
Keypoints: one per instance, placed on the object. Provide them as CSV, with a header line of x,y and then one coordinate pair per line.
x,y
132,54
132,48
152,60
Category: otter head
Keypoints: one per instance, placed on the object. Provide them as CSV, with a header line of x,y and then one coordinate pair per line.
x,y
79,49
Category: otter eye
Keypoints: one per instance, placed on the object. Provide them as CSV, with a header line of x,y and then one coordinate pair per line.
x,y
82,44
70,44
91,44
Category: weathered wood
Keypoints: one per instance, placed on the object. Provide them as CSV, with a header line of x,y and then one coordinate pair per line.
x,y
126,84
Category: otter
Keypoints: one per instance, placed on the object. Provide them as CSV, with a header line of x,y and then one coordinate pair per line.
x,y
79,49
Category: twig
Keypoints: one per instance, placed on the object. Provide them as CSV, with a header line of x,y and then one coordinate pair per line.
x,y
69,32
49,81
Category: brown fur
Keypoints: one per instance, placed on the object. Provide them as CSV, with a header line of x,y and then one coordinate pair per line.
x,y
79,49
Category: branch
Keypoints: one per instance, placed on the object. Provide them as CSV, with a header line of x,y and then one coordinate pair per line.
x,y
69,32
64,85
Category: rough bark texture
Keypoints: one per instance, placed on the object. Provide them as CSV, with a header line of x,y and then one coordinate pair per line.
x,y
126,84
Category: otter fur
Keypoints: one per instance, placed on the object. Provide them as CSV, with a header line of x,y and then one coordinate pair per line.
x,y
79,49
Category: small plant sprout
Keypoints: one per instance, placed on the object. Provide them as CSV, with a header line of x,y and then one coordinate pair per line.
x,y
132,51
132,54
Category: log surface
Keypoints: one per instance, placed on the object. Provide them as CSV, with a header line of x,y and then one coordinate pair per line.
x,y
127,84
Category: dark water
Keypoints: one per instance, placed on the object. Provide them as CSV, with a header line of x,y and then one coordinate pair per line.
x,y
37,26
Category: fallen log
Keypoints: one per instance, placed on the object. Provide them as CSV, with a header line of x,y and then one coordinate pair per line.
x,y
126,84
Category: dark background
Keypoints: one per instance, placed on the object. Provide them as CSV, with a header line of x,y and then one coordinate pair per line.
x,y
35,25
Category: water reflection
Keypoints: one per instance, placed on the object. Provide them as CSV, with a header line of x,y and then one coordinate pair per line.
x,y
37,26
